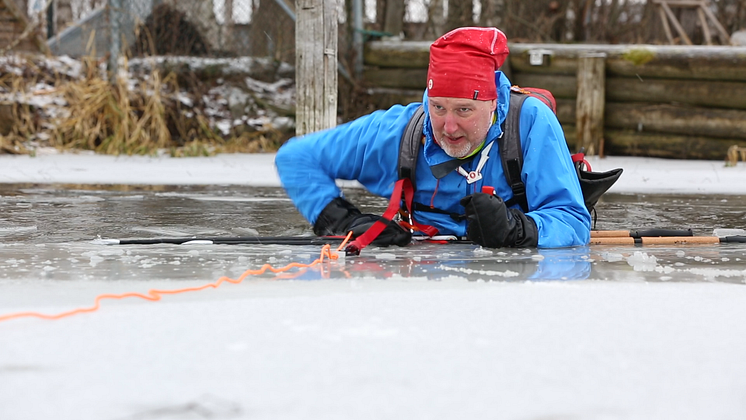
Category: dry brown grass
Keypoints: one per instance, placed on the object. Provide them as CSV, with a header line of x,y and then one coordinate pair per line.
x,y
16,118
108,118
115,118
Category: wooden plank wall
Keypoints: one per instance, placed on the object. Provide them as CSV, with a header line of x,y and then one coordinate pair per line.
x,y
686,102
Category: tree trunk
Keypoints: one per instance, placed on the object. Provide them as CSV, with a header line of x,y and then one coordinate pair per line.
x,y
381,13
63,15
436,20
460,13
394,20
493,13
689,21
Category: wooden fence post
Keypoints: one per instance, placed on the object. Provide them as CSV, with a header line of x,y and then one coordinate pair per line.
x,y
590,102
315,65
115,13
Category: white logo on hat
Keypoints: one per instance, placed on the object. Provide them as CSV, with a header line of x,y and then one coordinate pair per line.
x,y
430,84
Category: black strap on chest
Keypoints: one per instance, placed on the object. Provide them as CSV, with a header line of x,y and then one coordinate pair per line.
x,y
511,153
409,147
509,144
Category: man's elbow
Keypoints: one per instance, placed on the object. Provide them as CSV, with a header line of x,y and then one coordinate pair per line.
x,y
285,156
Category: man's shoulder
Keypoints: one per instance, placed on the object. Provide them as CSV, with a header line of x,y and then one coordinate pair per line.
x,y
536,106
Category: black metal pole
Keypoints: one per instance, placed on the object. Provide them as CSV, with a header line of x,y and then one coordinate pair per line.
x,y
237,240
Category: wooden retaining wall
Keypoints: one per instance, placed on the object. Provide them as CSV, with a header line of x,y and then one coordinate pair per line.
x,y
686,102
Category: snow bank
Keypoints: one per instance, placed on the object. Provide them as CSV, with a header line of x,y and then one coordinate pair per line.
x,y
641,175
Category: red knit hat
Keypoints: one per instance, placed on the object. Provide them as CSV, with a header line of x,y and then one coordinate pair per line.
x,y
463,63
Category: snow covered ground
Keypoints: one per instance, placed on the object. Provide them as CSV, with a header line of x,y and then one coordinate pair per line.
x,y
641,175
370,347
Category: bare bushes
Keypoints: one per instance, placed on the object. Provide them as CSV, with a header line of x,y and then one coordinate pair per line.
x,y
167,31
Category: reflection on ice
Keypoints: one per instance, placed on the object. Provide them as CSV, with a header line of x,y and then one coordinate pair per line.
x,y
92,259
6,231
489,274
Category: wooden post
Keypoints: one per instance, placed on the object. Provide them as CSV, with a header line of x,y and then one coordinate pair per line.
x,y
590,102
315,65
228,25
115,11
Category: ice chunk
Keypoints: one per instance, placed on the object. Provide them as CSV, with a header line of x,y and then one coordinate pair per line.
x,y
641,261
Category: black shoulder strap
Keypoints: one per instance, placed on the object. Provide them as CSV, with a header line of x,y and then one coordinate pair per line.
x,y
511,153
409,147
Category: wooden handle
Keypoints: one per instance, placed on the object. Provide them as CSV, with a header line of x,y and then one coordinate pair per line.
x,y
609,234
680,240
650,240
641,233
612,241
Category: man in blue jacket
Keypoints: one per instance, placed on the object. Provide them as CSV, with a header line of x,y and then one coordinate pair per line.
x,y
466,101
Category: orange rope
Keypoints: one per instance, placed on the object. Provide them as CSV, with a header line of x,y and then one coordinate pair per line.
x,y
155,295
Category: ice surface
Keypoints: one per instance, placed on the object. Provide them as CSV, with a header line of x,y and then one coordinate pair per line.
x,y
422,332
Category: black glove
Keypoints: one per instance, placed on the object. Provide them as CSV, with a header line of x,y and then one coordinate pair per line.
x,y
339,217
493,225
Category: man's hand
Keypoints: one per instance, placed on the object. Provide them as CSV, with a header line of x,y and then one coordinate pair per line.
x,y
491,224
339,217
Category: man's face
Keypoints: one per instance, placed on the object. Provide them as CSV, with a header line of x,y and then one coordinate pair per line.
x,y
460,125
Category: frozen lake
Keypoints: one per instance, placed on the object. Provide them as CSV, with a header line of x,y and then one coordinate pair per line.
x,y
422,332
48,234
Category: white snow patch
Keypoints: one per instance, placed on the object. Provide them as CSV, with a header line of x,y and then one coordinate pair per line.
x,y
385,256
712,273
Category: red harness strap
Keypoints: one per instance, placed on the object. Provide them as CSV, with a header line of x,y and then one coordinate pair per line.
x,y
403,187
580,157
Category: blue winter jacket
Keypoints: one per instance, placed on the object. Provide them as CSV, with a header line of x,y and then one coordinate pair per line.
x,y
367,150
